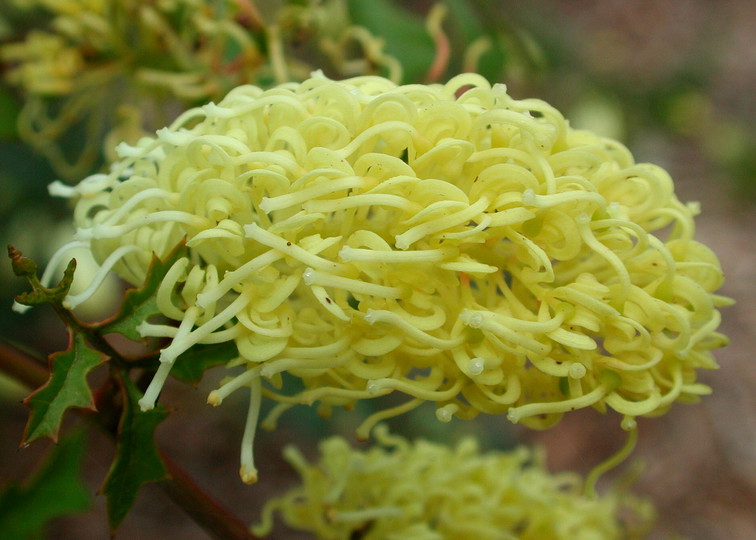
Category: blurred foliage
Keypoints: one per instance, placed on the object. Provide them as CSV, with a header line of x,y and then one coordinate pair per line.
x,y
56,489
403,31
660,70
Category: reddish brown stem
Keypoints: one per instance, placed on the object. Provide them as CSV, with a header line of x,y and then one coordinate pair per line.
x,y
441,60
216,520
22,366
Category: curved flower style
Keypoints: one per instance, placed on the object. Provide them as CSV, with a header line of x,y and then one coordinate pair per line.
x,y
444,241
428,491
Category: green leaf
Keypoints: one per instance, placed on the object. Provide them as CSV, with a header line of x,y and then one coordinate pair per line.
x,y
137,459
55,490
190,366
404,32
67,387
139,305
464,18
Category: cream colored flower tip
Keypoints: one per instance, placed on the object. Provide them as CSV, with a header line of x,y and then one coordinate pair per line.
x,y
401,490
444,241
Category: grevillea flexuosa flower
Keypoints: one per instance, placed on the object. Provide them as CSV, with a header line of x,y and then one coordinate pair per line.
x,y
444,241
429,491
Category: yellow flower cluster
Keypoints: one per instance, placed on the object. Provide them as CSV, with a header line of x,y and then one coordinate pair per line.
x,y
46,64
159,57
443,241
427,491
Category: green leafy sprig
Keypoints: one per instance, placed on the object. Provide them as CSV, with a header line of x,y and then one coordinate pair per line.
x,y
137,459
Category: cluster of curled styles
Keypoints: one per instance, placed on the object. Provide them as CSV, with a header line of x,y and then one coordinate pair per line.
x,y
443,241
430,491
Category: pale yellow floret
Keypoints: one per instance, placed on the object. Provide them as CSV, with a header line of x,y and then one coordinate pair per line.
x,y
442,241
248,471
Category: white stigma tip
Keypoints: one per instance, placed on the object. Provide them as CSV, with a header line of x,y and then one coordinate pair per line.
x,y
209,108
476,365
446,413
345,254
443,416
583,218
202,300
576,371
308,276
20,308
122,148
59,189
265,204
528,197
146,404
166,356
401,243
370,316
475,320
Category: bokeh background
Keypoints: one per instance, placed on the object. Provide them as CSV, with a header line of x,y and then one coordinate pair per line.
x,y
674,80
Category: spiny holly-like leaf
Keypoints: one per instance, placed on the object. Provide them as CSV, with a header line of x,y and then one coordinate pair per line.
x,y
137,460
190,366
140,304
67,387
55,490
404,32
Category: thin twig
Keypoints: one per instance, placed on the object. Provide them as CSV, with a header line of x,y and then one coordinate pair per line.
x,y
22,366
443,47
215,519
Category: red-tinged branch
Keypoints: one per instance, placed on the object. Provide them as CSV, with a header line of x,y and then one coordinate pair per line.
x,y
203,509
441,41
21,366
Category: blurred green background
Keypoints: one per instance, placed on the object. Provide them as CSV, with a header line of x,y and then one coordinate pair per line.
x,y
674,80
